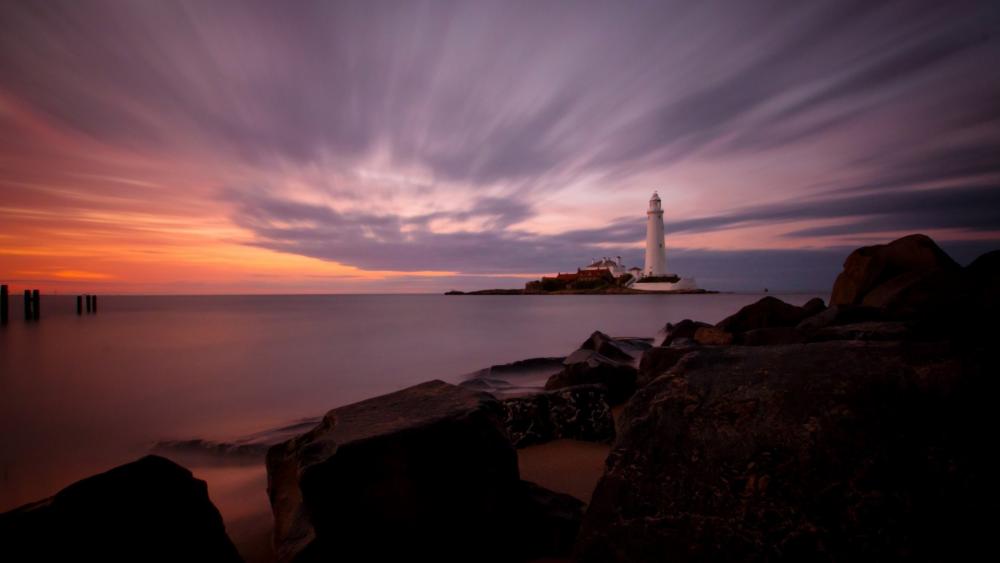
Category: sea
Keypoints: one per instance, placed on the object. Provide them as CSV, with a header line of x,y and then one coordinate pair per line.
x,y
80,394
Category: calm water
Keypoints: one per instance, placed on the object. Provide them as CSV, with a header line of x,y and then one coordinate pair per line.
x,y
81,394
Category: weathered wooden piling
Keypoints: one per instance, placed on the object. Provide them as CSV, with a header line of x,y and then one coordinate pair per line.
x,y
4,304
36,304
79,304
27,304
93,298
89,303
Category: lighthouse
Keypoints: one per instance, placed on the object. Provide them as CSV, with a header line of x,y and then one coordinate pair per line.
x,y
656,254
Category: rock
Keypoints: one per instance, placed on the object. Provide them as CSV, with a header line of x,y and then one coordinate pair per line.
x,y
915,293
835,451
579,412
769,312
814,306
606,346
683,329
981,285
426,473
585,367
547,522
871,266
149,510
657,361
773,336
871,330
840,315
712,336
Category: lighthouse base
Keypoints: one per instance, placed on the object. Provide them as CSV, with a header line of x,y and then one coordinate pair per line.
x,y
683,284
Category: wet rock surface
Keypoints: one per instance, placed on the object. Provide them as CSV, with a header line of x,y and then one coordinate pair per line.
x,y
586,367
684,329
579,412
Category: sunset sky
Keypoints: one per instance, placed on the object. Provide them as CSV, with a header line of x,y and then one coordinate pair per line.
x,y
285,147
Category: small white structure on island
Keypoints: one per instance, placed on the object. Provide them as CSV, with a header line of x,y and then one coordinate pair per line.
x,y
615,266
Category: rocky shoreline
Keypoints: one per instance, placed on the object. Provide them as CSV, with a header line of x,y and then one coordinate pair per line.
x,y
857,430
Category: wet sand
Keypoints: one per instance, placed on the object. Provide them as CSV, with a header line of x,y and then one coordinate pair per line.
x,y
565,466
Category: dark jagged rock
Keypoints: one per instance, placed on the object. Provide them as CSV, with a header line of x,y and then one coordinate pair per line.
x,y
580,413
606,346
769,312
684,329
585,367
872,330
836,451
773,336
814,306
904,262
547,522
841,315
426,473
149,510
981,286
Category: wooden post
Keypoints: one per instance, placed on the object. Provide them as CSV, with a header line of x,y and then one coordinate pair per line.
x,y
89,304
4,304
93,298
36,304
27,304
79,304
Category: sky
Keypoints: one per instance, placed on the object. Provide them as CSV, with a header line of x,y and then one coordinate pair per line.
x,y
315,147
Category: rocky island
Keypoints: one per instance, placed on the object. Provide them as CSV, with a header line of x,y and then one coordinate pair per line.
x,y
851,431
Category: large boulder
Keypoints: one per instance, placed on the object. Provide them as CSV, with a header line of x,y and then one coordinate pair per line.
x,y
580,412
769,312
149,510
585,367
903,265
981,286
837,451
426,473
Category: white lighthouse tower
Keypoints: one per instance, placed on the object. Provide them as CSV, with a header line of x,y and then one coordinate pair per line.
x,y
656,254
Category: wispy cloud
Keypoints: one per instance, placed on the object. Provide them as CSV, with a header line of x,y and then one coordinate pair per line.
x,y
493,137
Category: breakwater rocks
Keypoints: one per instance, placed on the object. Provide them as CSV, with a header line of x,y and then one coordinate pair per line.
x,y
787,433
